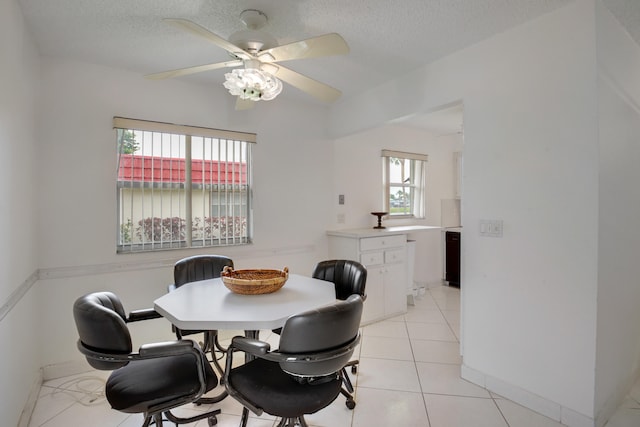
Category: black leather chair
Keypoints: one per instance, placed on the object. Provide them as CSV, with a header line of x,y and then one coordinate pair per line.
x,y
349,278
305,374
192,269
153,380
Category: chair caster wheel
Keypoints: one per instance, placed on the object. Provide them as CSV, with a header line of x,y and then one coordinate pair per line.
x,y
350,403
354,369
212,421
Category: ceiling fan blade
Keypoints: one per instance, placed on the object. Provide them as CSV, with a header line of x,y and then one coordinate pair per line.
x,y
198,30
244,104
314,88
192,70
326,45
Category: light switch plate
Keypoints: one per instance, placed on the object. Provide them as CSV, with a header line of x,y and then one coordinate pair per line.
x,y
491,227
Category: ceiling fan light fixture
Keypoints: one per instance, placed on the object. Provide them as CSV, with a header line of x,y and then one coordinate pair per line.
x,y
252,84
261,54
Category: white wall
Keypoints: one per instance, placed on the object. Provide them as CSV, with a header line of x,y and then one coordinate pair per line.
x,y
19,327
529,299
358,175
532,301
292,173
618,339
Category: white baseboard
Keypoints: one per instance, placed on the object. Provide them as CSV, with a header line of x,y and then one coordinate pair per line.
x,y
417,285
65,369
615,400
576,419
34,392
47,373
538,404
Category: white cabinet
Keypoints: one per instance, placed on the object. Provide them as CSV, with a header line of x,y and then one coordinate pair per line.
x,y
385,257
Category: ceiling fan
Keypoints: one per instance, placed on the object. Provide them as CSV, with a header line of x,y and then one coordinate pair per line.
x,y
259,55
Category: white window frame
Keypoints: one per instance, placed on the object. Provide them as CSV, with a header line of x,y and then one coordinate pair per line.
x,y
233,158
415,182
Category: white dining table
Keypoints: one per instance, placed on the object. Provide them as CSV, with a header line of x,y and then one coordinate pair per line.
x,y
209,305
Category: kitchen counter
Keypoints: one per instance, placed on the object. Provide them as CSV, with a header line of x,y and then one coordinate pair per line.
x,y
373,232
389,259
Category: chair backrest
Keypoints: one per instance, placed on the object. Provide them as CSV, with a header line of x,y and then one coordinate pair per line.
x,y
199,267
349,277
101,323
331,330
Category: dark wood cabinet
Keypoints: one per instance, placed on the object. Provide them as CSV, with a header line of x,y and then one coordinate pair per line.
x,y
452,258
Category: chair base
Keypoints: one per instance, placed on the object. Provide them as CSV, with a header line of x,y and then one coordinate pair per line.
x,y
293,422
157,418
347,390
210,344
350,402
284,422
211,418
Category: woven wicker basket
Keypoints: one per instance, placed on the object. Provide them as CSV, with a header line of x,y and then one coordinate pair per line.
x,y
254,282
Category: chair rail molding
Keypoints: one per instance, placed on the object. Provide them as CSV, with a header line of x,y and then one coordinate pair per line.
x,y
132,265
17,294
135,264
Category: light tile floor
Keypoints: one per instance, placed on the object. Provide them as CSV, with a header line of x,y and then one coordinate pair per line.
x,y
409,375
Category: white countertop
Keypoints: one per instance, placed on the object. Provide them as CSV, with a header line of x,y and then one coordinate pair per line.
x,y
373,232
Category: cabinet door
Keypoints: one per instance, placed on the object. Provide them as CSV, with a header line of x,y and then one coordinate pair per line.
x,y
374,304
395,285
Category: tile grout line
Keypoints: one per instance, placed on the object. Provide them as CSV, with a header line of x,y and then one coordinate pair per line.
x,y
355,377
499,410
415,367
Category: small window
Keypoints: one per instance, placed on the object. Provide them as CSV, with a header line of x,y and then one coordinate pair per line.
x,y
404,183
181,186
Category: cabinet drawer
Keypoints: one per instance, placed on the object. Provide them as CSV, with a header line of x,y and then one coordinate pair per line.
x,y
372,258
396,255
372,243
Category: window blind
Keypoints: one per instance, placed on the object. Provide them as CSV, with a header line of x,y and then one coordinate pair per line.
x,y
150,126
403,155
182,186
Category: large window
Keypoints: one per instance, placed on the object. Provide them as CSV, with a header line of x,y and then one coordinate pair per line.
x,y
404,183
181,186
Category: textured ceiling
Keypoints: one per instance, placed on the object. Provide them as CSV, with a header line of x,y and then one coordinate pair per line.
x,y
387,37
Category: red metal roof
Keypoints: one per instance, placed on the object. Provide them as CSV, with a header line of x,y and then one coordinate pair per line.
x,y
164,169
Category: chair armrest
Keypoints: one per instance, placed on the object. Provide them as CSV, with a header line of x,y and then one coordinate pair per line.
x,y
167,348
247,345
342,352
144,314
250,345
146,351
97,354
